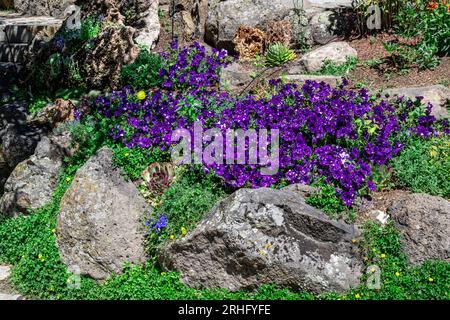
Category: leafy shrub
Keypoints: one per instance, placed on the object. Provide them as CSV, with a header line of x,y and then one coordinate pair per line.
x,y
427,23
90,28
143,72
278,54
428,20
325,199
424,166
135,160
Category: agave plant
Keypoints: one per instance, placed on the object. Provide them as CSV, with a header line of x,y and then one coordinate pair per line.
x,y
278,54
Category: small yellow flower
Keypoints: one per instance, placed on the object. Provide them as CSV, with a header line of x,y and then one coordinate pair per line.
x,y
127,154
366,258
382,256
357,296
430,279
183,231
40,256
163,274
53,230
141,95
353,240
433,153
68,179
373,270
397,274
172,236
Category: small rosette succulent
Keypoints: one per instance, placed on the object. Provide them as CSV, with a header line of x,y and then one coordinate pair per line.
x,y
278,54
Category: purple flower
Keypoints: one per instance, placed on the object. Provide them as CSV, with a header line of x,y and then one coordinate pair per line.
x,y
160,223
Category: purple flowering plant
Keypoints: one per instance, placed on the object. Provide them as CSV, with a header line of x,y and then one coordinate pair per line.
x,y
334,135
192,66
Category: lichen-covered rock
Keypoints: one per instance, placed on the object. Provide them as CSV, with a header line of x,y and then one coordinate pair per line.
x,y
437,95
98,225
259,236
278,31
32,182
248,42
111,50
323,27
335,52
190,17
53,8
424,224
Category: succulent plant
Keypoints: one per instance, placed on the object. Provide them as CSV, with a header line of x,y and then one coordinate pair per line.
x,y
157,178
278,54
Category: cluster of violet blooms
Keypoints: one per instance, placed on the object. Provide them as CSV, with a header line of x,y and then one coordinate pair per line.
x,y
193,66
333,134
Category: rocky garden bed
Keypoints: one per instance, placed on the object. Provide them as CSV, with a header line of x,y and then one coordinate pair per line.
x,y
336,185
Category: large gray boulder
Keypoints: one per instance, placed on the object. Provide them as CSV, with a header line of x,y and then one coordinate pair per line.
x,y
259,236
437,95
424,225
17,139
32,182
335,52
98,226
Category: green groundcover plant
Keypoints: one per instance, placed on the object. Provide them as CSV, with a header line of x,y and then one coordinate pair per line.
x,y
424,166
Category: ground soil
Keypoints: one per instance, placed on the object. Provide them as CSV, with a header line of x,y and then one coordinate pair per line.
x,y
371,47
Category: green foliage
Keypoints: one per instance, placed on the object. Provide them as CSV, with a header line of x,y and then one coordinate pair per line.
x,y
143,72
184,204
424,166
429,27
90,28
38,101
330,68
278,54
431,24
381,247
389,9
55,65
325,199
383,177
135,160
